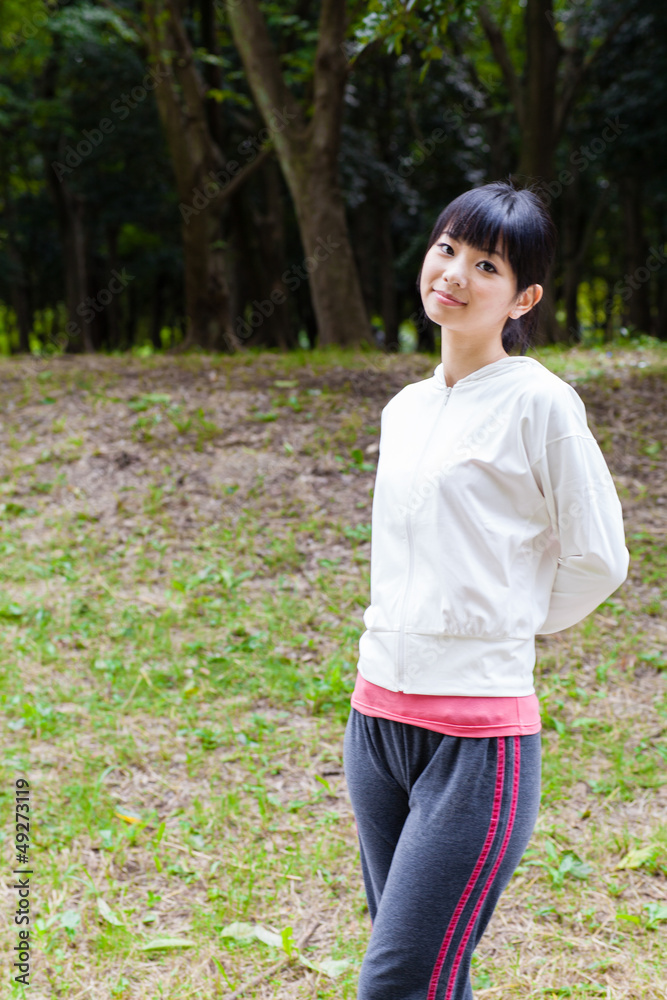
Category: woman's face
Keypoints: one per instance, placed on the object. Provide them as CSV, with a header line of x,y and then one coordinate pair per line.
x,y
468,290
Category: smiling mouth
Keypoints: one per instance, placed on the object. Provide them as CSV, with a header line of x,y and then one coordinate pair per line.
x,y
447,300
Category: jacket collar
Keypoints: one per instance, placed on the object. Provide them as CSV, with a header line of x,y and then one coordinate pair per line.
x,y
486,371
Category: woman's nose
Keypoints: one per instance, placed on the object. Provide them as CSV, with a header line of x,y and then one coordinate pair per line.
x,y
454,271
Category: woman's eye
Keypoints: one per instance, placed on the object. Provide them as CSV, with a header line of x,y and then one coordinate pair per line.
x,y
445,247
487,264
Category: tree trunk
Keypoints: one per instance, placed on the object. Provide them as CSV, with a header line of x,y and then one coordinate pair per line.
x,y
20,297
272,245
385,262
204,181
329,263
212,72
206,290
363,237
308,154
112,312
131,320
570,232
548,330
425,335
570,297
638,308
661,326
538,134
195,158
78,256
70,213
158,311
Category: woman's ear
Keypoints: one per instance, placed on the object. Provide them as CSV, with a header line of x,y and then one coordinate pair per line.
x,y
526,300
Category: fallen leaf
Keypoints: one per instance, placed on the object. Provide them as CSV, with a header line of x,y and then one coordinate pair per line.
x,y
107,913
163,943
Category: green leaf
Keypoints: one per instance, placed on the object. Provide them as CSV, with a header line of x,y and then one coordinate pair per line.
x,y
654,448
266,936
163,944
329,966
11,611
287,939
241,931
148,399
574,867
636,858
70,919
107,913
655,912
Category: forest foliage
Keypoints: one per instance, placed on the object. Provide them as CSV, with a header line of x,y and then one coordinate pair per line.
x,y
231,173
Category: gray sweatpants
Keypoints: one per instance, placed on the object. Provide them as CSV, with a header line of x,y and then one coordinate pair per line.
x,y
443,822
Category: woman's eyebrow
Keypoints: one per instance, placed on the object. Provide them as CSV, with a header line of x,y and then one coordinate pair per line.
x,y
491,253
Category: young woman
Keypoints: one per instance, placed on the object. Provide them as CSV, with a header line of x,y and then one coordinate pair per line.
x,y
495,518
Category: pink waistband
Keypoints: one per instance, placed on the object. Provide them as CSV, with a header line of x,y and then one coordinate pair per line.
x,y
452,715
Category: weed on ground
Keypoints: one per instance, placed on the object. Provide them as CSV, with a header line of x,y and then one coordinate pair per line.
x,y
185,563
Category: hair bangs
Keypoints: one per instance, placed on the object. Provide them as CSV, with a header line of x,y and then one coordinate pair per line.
x,y
481,228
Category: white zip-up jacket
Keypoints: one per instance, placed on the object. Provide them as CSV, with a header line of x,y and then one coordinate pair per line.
x,y
495,518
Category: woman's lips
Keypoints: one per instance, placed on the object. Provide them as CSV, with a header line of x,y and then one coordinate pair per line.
x,y
447,300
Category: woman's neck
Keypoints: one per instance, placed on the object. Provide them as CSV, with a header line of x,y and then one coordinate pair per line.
x,y
459,360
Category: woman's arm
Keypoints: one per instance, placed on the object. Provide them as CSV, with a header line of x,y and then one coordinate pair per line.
x,y
585,515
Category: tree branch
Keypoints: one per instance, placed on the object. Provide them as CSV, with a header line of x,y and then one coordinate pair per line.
x,y
191,82
241,178
502,57
262,65
330,73
130,21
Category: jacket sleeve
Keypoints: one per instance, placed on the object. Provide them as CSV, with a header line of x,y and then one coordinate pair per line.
x,y
585,515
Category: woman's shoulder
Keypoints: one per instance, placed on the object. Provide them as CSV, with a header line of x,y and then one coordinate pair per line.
x,y
544,386
552,402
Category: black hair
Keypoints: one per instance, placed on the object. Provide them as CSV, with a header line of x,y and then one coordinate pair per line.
x,y
483,216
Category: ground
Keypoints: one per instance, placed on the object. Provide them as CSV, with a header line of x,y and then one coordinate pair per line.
x,y
185,546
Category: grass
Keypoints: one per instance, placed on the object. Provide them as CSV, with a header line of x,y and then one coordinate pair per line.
x,y
185,556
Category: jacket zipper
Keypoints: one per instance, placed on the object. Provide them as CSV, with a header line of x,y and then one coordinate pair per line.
x,y
400,667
